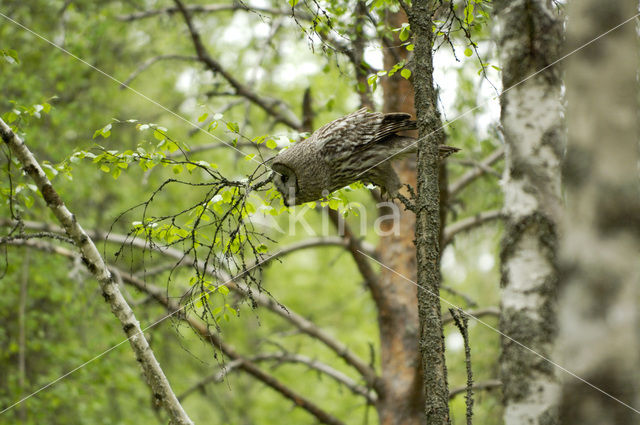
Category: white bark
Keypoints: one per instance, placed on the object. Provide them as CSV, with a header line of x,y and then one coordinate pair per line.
x,y
600,252
162,392
532,124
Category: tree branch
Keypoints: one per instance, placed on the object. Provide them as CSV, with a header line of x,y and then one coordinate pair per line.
x,y
212,8
485,385
240,89
146,64
354,246
243,363
469,223
156,379
285,357
304,325
172,307
487,311
468,177
316,242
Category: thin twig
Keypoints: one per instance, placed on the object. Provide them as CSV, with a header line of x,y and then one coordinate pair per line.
x,y
471,175
469,223
461,320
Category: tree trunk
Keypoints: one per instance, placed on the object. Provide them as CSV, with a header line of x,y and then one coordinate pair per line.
x,y
531,117
428,215
598,339
402,401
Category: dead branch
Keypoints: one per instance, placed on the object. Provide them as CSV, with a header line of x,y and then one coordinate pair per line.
x,y
146,64
354,245
479,386
213,8
284,357
470,176
487,311
469,223
461,320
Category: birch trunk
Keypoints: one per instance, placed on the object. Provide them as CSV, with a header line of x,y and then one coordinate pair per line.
x,y
532,122
600,250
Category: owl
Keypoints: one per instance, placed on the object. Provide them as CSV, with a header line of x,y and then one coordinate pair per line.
x,y
355,147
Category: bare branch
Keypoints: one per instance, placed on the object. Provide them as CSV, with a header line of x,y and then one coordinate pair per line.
x,y
243,363
469,223
261,299
354,245
487,311
212,8
320,241
484,385
462,323
240,89
285,357
476,172
472,163
154,374
467,299
201,328
146,64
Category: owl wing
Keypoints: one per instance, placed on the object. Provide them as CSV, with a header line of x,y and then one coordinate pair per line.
x,y
359,131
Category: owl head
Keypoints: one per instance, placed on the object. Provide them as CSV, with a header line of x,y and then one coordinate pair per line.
x,y
286,182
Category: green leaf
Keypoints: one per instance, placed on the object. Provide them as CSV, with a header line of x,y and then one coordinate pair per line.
x,y
406,73
177,169
271,144
249,157
158,135
233,126
203,117
10,56
12,116
404,33
292,3
223,290
468,52
104,131
410,47
105,168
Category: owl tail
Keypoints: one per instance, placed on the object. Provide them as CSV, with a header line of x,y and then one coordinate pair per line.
x,y
402,146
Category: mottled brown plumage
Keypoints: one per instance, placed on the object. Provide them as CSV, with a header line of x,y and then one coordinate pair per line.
x,y
358,146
